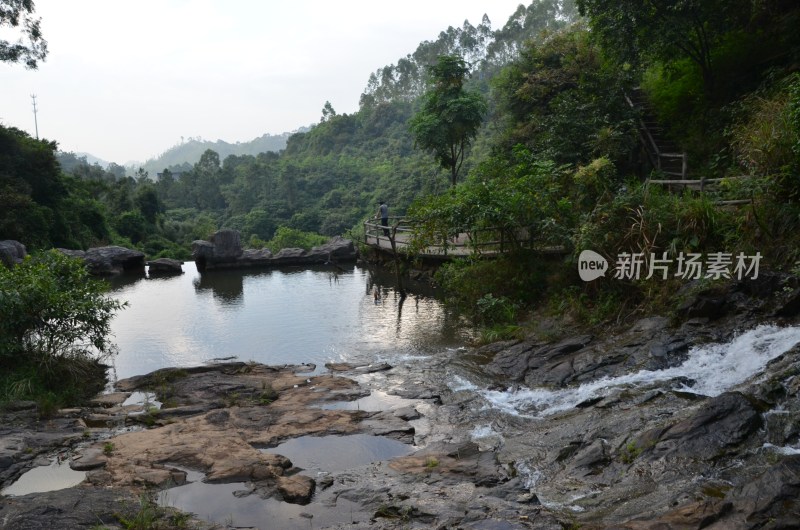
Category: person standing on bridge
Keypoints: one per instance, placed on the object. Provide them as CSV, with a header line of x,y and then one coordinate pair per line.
x,y
383,211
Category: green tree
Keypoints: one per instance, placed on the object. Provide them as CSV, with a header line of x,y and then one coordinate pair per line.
x,y
54,328
260,223
327,112
564,102
132,225
146,200
31,46
450,115
208,180
39,205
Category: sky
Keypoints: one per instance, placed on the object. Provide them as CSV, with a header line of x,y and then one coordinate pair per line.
x,y
125,81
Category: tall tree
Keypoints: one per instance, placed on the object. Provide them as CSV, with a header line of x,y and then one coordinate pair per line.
x,y
450,115
31,46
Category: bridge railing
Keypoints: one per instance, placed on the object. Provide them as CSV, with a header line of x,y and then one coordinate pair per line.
x,y
377,235
484,241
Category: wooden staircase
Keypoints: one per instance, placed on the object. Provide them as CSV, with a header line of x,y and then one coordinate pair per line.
x,y
663,153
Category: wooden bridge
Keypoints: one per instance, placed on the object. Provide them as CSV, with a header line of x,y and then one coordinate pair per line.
x,y
397,236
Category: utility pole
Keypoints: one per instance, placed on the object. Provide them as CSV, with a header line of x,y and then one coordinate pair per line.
x,y
35,119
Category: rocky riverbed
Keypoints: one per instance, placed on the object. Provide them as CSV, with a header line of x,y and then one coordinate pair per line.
x,y
688,422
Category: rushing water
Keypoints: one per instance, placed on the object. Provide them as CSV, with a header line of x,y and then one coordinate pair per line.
x,y
288,316
713,368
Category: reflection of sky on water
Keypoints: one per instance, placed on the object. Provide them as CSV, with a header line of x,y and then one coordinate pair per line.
x,y
274,317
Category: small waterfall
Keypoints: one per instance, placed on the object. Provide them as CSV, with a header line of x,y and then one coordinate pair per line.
x,y
715,368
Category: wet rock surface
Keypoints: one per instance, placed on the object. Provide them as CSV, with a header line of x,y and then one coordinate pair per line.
x,y
73,508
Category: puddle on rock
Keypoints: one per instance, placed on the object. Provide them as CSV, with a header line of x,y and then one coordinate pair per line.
x,y
56,476
327,454
143,399
377,401
233,505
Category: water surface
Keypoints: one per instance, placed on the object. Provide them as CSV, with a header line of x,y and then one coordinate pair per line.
x,y
57,476
287,316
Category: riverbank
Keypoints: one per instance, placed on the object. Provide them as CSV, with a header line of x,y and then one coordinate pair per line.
x,y
661,424
225,425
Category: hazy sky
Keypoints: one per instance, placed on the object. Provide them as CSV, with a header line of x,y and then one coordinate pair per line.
x,y
126,80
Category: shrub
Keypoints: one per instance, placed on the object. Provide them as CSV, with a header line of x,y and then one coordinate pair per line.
x,y
766,136
54,329
292,238
496,310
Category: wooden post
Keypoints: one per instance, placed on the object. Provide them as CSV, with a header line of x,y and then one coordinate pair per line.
x,y
398,277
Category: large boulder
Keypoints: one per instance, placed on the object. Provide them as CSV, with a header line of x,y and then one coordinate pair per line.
x,y
224,252
337,248
227,245
720,425
164,266
224,249
12,252
292,256
526,360
113,260
109,261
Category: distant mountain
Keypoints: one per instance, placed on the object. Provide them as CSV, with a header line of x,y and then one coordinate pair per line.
x,y
92,160
186,154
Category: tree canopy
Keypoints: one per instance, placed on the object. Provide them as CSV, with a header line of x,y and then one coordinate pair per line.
x,y
664,30
31,47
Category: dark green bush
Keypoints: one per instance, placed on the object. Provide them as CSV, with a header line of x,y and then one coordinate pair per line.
x,y
54,330
293,238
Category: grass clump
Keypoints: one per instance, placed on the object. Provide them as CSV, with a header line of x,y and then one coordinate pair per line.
x,y
148,515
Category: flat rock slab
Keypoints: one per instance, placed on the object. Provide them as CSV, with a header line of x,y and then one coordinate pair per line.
x,y
221,415
363,368
92,458
83,507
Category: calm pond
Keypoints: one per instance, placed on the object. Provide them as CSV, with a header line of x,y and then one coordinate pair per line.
x,y
287,316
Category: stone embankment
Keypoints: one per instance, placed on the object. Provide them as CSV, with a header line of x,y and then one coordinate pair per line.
x,y
225,251
100,261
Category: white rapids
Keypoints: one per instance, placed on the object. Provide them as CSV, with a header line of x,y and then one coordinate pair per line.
x,y
715,368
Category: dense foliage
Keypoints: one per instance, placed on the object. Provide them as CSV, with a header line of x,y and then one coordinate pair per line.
x,y
564,161
556,161
39,205
54,330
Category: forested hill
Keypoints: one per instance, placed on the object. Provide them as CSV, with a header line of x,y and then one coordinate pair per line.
x,y
184,155
558,150
327,179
